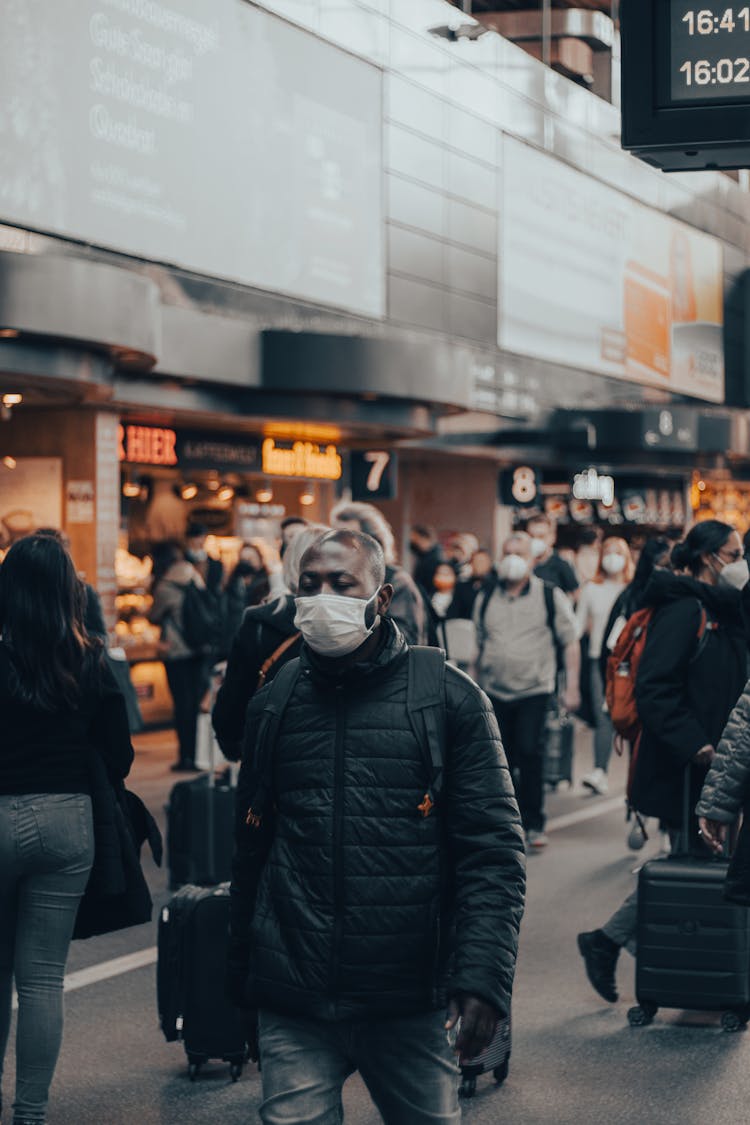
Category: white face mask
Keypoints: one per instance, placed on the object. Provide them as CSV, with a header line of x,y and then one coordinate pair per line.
x,y
333,625
613,564
513,568
538,547
734,574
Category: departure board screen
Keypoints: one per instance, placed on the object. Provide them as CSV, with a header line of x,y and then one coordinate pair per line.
x,y
709,50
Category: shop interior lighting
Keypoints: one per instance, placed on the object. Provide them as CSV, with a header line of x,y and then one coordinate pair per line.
x,y
12,400
9,462
189,491
131,488
264,495
307,497
225,493
9,333
213,483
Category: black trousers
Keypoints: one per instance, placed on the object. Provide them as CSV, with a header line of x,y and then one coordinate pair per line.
x,y
522,726
188,681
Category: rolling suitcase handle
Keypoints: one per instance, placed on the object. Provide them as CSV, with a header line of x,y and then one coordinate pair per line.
x,y
684,838
217,673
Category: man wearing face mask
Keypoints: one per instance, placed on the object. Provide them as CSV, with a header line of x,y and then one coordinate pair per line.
x,y
548,565
360,908
520,625
211,570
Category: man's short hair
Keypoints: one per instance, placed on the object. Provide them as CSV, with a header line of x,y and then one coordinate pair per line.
x,y
518,536
360,541
541,518
289,520
196,531
371,520
424,531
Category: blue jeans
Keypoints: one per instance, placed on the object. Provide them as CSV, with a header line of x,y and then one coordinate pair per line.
x,y
46,853
406,1064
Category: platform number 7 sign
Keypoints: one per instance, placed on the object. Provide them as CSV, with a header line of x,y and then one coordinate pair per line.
x,y
374,474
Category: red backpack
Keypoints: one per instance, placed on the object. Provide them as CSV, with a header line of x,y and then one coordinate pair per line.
x,y
622,671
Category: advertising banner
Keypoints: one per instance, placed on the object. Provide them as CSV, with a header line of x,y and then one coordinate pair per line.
x,y
591,279
213,136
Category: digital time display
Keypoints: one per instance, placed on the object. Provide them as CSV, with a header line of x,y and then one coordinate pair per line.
x,y
709,52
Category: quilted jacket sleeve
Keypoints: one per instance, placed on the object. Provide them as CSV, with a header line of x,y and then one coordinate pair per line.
x,y
252,845
486,848
727,784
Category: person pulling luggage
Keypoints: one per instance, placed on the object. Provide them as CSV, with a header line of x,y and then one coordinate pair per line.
x,y
378,875
691,673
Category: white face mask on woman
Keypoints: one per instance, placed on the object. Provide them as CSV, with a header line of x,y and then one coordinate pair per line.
x,y
613,564
334,625
734,574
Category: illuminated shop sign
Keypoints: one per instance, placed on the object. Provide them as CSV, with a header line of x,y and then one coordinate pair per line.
x,y
591,485
147,445
301,459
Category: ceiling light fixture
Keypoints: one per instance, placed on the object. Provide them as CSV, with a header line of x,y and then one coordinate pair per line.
x,y
307,497
264,495
225,493
189,491
9,462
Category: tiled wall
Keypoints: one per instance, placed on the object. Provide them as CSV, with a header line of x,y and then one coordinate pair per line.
x,y
447,106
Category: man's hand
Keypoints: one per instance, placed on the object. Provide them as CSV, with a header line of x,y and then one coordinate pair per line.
x,y
704,757
478,1024
714,833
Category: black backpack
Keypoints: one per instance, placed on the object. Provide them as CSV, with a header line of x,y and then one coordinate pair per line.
x,y
201,618
425,704
549,605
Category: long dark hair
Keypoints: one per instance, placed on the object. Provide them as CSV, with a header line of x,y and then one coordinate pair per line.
x,y
42,603
704,539
651,552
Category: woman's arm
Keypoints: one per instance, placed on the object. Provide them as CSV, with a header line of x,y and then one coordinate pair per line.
x,y
726,786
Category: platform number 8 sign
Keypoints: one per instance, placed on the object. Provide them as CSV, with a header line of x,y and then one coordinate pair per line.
x,y
519,487
374,474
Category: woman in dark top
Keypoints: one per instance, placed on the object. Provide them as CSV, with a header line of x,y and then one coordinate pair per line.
x,y
248,585
691,674
267,633
59,705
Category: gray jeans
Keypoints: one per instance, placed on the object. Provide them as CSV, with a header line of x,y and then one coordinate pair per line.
x,y
603,731
46,853
406,1064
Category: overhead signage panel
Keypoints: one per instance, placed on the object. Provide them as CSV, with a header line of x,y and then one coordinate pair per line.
x,y
591,279
214,136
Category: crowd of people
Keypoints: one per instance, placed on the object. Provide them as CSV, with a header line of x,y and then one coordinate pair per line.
x,y
376,886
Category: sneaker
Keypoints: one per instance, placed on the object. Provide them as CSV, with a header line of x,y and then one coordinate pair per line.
x,y
600,958
536,839
597,781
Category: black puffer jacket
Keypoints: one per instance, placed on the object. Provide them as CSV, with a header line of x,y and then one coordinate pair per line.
x,y
685,690
727,786
264,628
343,899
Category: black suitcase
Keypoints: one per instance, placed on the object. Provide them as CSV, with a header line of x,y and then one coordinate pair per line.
x,y
558,751
200,822
693,947
200,831
190,979
495,1058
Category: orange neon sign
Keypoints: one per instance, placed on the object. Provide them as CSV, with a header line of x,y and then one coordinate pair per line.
x,y
302,459
147,445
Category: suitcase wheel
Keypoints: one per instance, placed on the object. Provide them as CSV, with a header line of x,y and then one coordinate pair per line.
x,y
734,1021
468,1087
642,1015
500,1073
195,1062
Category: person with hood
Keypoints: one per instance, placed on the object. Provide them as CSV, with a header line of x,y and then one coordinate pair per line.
x,y
188,672
267,638
411,612
360,908
691,674
248,585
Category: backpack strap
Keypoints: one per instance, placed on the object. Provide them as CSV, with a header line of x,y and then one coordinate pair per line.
x,y
274,658
549,603
280,692
706,626
425,704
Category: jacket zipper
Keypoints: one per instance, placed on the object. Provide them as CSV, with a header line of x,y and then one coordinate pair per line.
x,y
338,836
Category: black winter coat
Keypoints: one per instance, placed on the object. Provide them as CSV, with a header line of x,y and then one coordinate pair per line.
x,y
685,691
263,629
343,900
